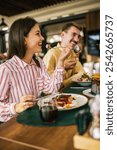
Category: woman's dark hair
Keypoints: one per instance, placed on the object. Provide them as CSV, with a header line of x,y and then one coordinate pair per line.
x,y
18,30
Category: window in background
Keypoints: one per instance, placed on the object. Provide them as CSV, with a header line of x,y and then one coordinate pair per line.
x,y
93,43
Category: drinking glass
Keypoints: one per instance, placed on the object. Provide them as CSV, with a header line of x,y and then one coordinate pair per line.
x,y
76,48
48,109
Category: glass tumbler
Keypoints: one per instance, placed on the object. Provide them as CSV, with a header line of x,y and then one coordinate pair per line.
x,y
48,110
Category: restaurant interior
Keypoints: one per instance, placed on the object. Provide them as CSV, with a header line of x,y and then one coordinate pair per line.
x,y
27,131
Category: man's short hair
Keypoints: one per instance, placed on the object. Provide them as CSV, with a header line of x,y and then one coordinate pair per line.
x,y
67,26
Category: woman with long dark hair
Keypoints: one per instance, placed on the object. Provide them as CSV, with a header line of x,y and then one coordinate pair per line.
x,y
23,77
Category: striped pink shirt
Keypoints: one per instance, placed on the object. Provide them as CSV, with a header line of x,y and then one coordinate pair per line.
x,y
18,78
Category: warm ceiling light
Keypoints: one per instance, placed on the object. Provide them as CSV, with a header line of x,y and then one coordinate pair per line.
x,y
81,33
3,26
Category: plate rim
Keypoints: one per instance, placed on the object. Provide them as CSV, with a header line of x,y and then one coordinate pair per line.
x,y
88,83
86,93
82,81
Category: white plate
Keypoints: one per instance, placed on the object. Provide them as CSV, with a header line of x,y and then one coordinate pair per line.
x,y
79,101
88,93
82,83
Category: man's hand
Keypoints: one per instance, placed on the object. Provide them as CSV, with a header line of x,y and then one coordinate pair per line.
x,y
69,63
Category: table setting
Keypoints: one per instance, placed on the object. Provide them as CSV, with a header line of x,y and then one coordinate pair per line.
x,y
90,84
69,119
54,110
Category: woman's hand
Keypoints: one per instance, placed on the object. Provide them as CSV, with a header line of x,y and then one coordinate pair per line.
x,y
26,101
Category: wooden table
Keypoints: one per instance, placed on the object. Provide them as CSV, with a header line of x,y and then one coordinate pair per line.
x,y
26,137
23,137
7,145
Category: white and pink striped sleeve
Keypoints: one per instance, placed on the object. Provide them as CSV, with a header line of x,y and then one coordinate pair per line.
x,y
6,108
52,83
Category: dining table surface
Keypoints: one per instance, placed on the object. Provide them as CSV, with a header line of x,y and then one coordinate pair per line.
x,y
14,135
18,136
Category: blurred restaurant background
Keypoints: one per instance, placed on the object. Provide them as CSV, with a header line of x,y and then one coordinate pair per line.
x,y
52,15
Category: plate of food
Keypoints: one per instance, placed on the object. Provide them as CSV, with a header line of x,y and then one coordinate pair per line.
x,y
65,101
68,101
84,80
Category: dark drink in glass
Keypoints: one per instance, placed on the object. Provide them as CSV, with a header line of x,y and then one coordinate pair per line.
x,y
48,113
